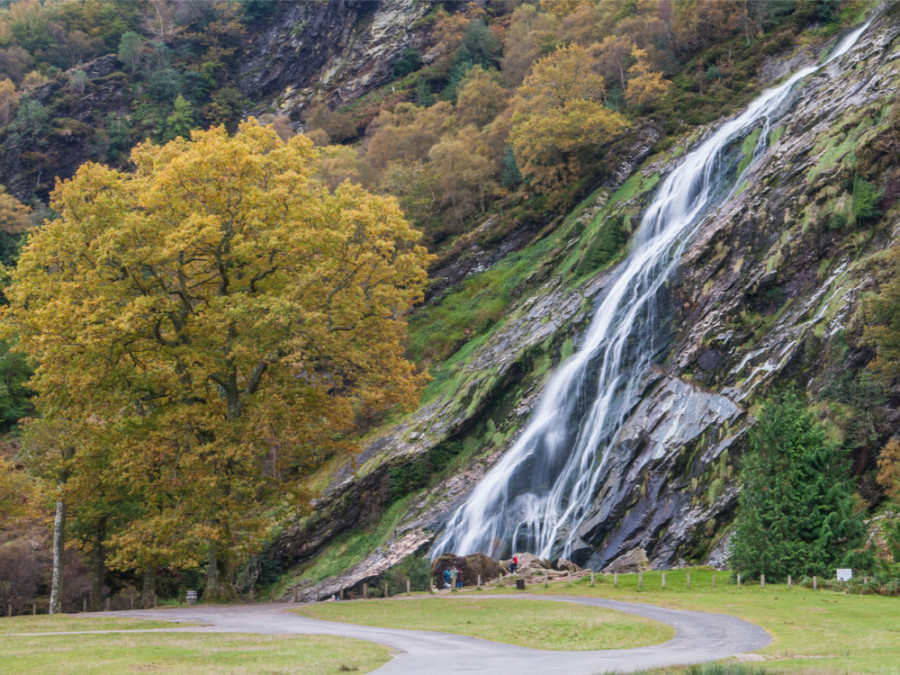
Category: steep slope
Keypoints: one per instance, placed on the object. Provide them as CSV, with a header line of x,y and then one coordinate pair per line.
x,y
768,292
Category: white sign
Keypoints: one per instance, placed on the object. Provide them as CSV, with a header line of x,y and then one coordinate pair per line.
x,y
844,574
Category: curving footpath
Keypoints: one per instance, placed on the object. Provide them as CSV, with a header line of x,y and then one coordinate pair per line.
x,y
699,637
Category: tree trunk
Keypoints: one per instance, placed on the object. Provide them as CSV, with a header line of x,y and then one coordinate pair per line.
x,y
148,592
218,579
59,542
98,567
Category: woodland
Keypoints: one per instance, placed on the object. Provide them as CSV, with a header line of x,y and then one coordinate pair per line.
x,y
210,302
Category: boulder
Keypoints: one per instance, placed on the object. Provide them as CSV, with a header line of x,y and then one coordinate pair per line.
x,y
635,560
564,565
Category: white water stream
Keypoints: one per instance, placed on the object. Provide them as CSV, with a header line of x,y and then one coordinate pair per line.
x,y
542,488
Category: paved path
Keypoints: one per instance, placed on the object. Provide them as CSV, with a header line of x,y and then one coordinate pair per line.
x,y
699,637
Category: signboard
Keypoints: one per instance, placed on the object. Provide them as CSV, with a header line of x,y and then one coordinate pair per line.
x,y
844,574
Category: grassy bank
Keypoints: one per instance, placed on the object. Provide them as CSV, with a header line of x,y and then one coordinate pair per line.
x,y
536,624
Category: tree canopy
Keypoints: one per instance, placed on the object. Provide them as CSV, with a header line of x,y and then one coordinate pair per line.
x,y
214,322
795,509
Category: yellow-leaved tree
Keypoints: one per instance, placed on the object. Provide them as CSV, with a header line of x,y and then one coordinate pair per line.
x,y
216,322
561,123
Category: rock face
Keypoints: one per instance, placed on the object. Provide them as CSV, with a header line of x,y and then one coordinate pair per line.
x,y
767,291
635,560
344,48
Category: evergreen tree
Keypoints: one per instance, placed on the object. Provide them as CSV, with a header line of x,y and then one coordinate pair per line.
x,y
795,510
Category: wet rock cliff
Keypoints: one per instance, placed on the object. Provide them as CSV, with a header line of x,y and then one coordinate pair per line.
x,y
768,294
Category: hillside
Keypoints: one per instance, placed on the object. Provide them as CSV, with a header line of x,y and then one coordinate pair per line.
x,y
532,205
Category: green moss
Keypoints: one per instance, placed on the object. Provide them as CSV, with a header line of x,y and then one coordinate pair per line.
x,y
748,148
348,549
776,134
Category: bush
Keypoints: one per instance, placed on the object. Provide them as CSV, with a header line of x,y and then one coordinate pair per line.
x,y
409,62
866,198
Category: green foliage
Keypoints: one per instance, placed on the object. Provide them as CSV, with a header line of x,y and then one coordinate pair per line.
x,y
181,121
424,97
412,568
795,510
511,178
32,118
866,198
480,46
15,397
409,62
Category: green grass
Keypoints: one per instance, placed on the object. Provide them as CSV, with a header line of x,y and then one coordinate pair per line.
x,y
65,622
529,623
187,653
814,631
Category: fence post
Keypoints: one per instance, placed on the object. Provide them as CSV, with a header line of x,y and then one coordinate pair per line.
x,y
615,579
84,604
664,579
714,579
762,580
479,581
407,584
592,577
385,590
789,580
546,580
34,607
365,591
815,583
107,604
739,580
295,594
640,579
688,579
273,596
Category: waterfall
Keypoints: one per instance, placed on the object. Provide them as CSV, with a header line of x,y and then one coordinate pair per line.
x,y
538,493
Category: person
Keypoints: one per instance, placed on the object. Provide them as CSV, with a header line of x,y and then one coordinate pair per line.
x,y
514,565
446,578
459,580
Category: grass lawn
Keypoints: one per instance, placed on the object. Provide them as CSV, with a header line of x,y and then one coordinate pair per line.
x,y
56,623
817,632
537,624
230,653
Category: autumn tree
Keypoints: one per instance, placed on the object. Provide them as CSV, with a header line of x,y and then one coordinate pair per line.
x,y
15,217
222,319
561,121
530,33
9,101
407,132
882,330
644,86
415,185
889,469
480,99
465,174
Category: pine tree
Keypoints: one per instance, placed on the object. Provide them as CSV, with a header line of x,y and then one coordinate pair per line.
x,y
795,510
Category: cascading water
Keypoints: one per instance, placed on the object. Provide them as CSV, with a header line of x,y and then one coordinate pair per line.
x,y
539,492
